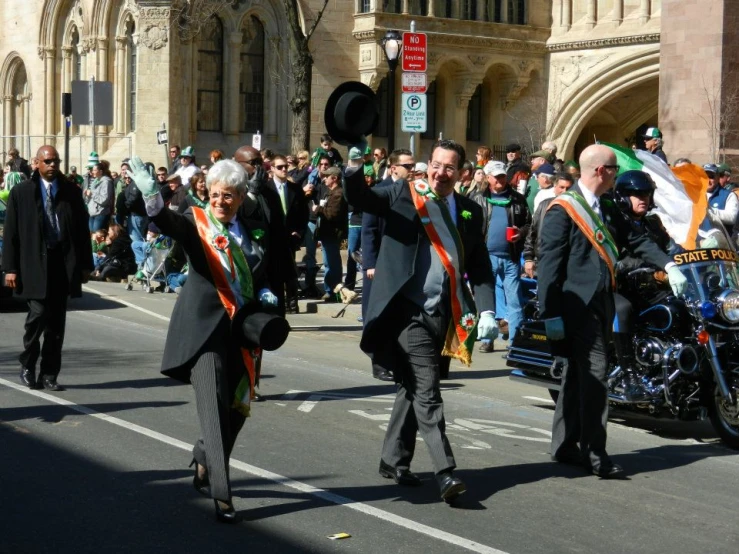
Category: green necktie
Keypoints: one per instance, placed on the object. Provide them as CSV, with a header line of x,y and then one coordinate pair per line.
x,y
282,198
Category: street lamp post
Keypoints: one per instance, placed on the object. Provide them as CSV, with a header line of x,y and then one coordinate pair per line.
x,y
392,44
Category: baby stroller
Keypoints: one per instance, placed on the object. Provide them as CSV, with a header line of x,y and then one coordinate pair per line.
x,y
153,274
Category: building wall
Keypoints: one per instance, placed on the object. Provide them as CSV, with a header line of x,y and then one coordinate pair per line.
x,y
548,74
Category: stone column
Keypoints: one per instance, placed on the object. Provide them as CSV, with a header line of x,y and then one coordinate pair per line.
x,y
8,115
482,10
50,92
232,112
567,14
119,86
504,11
102,75
25,104
431,8
644,10
270,101
67,68
405,9
590,14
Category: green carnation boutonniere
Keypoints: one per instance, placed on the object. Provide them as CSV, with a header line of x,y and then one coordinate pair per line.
x,y
257,234
466,214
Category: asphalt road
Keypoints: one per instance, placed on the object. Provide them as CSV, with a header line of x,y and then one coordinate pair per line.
x,y
102,467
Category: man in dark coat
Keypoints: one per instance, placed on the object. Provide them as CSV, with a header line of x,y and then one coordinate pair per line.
x,y
47,256
576,286
17,163
413,299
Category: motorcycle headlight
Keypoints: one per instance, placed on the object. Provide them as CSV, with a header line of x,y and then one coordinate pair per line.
x,y
728,302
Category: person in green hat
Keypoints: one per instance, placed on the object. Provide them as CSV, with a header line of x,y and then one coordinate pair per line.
x,y
724,177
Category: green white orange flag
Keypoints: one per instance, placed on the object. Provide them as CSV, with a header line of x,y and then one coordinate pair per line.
x,y
680,198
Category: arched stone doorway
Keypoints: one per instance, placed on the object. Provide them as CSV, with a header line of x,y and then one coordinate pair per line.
x,y
16,99
609,102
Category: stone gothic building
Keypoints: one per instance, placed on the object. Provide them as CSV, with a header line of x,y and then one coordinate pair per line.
x,y
499,71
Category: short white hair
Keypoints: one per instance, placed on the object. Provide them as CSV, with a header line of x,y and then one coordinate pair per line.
x,y
227,173
549,146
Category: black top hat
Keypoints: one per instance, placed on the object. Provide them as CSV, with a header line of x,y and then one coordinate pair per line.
x,y
257,326
351,113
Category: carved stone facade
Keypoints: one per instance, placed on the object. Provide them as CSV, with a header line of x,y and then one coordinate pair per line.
x,y
562,69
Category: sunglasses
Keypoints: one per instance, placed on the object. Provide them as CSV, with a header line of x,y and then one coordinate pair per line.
x,y
50,161
641,193
409,167
280,167
614,167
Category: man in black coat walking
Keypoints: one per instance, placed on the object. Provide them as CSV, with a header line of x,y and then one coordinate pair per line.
x,y
576,285
47,256
419,303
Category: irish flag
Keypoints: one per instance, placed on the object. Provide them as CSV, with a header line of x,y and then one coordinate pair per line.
x,y
680,196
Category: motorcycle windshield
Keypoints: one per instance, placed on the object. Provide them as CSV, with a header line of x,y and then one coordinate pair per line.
x,y
711,269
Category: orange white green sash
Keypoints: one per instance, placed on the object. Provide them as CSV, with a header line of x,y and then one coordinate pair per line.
x,y
592,227
233,281
444,237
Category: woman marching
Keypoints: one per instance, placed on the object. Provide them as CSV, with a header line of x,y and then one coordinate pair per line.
x,y
221,321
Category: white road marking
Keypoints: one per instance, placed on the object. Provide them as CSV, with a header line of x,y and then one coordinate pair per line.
x,y
313,399
373,417
339,500
537,399
125,303
494,428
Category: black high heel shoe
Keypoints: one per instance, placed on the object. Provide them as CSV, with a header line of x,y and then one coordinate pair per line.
x,y
228,515
201,484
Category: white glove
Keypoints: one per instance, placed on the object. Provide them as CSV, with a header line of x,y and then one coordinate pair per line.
x,y
678,281
268,299
347,295
487,327
142,177
709,242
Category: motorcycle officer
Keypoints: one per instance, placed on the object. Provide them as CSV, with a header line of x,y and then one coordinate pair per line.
x,y
634,196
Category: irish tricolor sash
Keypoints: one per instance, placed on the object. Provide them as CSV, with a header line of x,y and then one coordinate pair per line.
x,y
233,281
444,237
592,227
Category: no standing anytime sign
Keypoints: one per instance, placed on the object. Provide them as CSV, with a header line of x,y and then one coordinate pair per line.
x,y
414,52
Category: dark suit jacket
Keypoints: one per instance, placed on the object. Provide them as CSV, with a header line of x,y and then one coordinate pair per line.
x,y
570,271
24,248
372,229
198,310
396,261
296,218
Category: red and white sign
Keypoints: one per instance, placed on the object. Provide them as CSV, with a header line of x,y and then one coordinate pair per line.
x,y
414,52
414,82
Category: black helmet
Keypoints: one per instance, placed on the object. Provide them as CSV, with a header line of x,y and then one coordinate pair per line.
x,y
630,182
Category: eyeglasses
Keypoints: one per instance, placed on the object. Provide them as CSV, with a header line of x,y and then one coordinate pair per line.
x,y
449,169
50,161
280,167
225,196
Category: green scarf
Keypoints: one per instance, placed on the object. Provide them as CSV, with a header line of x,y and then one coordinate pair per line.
x,y
199,203
499,202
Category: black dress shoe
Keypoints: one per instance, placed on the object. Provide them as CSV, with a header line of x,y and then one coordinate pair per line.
x,y
382,374
225,512
403,477
28,378
49,383
610,471
202,485
451,486
569,457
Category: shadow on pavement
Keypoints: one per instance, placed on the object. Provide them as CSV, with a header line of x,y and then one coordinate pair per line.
x,y
57,501
54,413
132,384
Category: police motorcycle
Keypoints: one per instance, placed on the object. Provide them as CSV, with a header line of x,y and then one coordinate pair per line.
x,y
686,349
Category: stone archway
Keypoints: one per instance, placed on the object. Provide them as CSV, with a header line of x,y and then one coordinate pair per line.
x,y
15,91
606,89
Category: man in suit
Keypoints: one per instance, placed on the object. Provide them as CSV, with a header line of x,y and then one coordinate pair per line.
x,y
420,307
295,214
47,256
576,285
282,269
401,163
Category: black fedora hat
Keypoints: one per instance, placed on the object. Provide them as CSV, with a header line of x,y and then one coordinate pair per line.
x,y
259,327
351,113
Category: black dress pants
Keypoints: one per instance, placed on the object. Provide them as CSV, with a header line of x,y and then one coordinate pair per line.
x,y
47,317
418,406
582,407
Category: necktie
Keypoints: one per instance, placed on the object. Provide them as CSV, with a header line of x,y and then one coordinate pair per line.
x,y
52,234
282,198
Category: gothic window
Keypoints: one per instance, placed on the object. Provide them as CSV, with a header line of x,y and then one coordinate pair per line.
x,y
448,8
517,12
132,76
76,58
392,6
430,133
468,9
210,76
364,6
252,77
474,115
419,7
